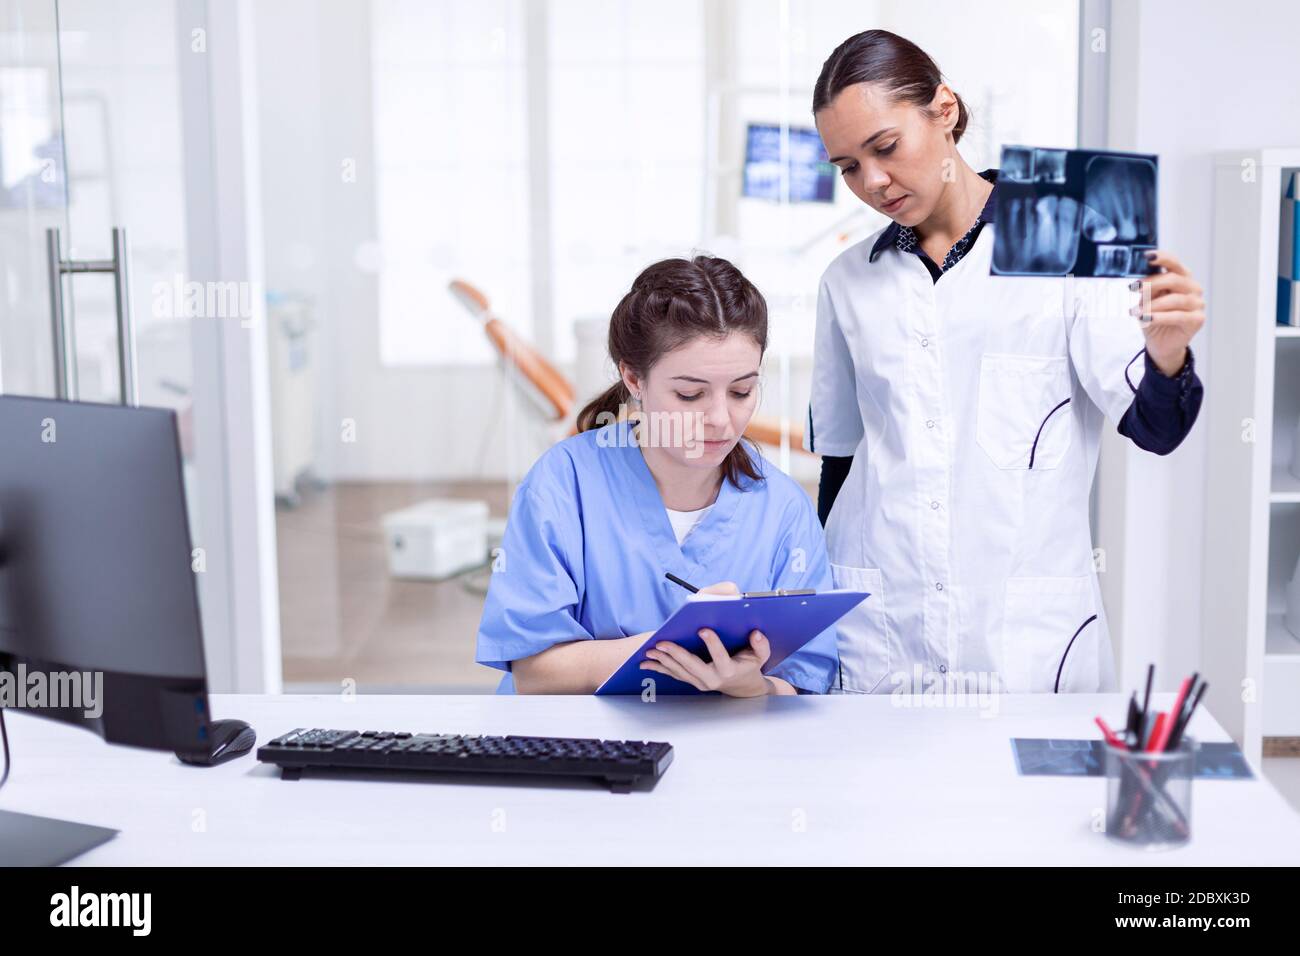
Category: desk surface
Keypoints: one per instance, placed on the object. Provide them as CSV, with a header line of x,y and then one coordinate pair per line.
x,y
838,779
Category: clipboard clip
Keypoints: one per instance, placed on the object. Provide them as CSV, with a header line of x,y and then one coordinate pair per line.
x,y
790,592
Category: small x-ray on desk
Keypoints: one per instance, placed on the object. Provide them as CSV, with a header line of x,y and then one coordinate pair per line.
x,y
1074,212
1045,757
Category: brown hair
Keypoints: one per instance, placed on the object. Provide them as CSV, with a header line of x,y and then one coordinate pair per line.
x,y
670,303
902,68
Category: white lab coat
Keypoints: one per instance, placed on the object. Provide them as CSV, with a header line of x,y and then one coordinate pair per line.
x,y
981,567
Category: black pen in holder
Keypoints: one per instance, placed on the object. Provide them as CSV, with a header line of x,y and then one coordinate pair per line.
x,y
1149,796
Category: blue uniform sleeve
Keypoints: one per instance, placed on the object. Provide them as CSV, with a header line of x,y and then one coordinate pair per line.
x,y
537,580
801,562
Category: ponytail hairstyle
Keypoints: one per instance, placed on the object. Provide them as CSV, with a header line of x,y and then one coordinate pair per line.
x,y
670,303
898,65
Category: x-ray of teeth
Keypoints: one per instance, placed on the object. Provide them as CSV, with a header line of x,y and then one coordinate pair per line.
x,y
1017,165
1137,264
1097,227
1049,165
1112,261
1074,212
1045,230
1123,190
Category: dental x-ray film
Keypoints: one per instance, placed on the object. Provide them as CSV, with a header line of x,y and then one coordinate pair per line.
x,y
1074,212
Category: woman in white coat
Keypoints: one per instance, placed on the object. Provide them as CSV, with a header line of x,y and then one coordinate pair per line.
x,y
959,414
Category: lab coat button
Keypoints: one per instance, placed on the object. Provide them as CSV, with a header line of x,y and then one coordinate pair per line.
x,y
929,423
925,343
934,505
943,668
938,585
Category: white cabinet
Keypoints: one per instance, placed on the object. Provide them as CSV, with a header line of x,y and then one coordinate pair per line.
x,y
1252,502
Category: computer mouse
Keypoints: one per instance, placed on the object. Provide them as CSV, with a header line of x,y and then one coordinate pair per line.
x,y
227,739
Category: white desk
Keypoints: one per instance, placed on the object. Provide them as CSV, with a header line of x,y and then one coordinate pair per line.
x,y
779,780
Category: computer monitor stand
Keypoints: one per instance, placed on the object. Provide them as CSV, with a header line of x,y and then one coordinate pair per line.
x,y
27,840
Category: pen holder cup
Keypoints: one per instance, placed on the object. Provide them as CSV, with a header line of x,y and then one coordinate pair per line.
x,y
1149,796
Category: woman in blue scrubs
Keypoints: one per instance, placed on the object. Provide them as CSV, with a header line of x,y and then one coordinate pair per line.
x,y
599,519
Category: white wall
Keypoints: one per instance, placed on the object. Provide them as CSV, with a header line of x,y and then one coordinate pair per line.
x,y
1189,77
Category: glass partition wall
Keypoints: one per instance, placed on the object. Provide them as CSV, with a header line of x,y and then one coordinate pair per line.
x,y
448,186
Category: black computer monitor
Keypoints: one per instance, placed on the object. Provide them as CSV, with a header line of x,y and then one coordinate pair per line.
x,y
96,579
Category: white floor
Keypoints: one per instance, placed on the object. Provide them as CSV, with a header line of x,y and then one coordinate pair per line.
x,y
1284,774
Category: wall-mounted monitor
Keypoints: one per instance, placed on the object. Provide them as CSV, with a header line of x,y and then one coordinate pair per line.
x,y
812,177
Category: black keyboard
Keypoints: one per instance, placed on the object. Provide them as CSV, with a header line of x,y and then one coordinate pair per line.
x,y
622,764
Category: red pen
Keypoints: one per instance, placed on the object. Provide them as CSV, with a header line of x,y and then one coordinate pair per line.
x,y
1160,739
1111,737
1157,730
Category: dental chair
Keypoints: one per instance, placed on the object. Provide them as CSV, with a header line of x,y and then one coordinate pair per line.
x,y
550,393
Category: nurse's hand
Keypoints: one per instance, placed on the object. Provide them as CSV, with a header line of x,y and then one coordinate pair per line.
x,y
739,675
1171,311
722,587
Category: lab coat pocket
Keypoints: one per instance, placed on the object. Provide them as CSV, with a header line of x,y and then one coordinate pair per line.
x,y
862,635
1024,419
1050,636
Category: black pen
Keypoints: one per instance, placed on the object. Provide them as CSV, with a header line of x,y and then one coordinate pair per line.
x,y
1182,728
1146,708
786,592
1180,719
1134,722
686,584
780,592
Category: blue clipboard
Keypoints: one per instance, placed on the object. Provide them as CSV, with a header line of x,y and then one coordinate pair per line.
x,y
788,620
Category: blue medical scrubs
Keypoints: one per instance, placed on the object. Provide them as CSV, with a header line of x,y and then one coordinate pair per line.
x,y
588,541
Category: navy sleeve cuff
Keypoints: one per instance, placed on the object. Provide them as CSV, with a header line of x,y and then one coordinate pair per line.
x,y
1166,390
1164,408
834,471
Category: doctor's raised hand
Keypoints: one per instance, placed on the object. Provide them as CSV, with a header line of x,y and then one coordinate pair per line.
x,y
1171,311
